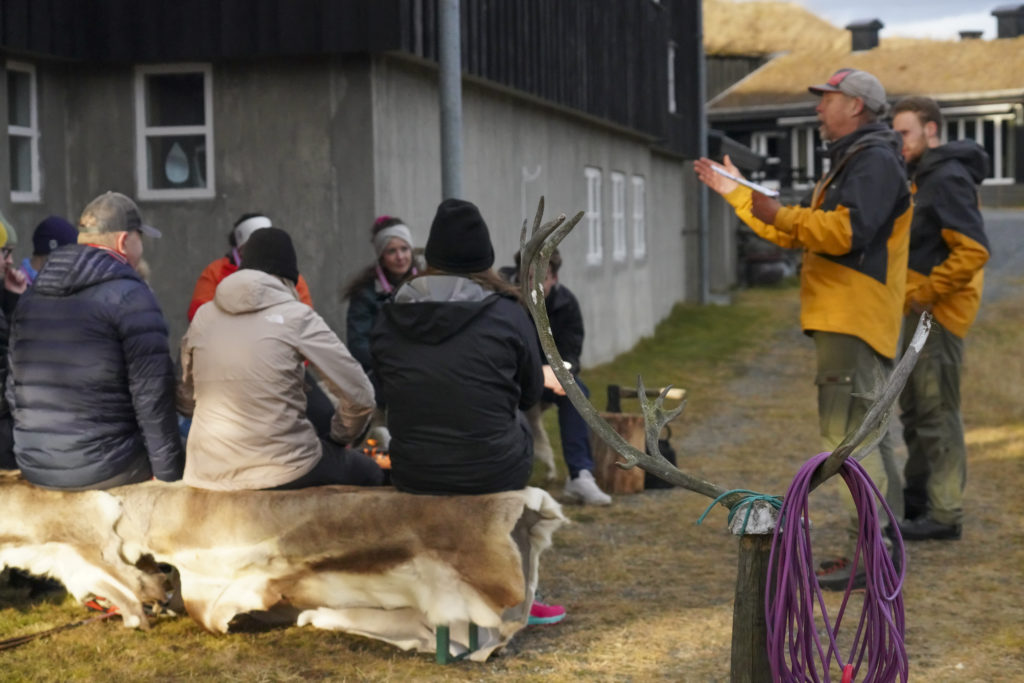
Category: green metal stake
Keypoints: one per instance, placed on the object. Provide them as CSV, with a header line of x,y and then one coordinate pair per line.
x,y
443,652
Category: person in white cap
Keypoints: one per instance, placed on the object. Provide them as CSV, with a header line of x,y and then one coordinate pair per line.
x,y
91,386
854,230
211,276
319,406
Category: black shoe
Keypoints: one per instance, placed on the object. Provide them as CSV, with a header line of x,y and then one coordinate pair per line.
x,y
834,575
927,529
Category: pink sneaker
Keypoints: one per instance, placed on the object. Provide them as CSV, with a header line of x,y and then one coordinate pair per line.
x,y
541,614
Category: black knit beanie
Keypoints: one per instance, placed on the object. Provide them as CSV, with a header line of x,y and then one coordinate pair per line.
x,y
271,250
459,241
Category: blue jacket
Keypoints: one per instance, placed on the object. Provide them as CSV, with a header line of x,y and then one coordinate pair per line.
x,y
91,383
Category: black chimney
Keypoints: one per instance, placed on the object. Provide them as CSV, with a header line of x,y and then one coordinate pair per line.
x,y
1009,20
970,35
864,34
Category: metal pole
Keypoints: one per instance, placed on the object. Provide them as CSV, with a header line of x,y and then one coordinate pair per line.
x,y
703,255
450,59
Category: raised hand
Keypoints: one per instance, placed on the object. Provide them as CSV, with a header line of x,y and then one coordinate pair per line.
x,y
715,181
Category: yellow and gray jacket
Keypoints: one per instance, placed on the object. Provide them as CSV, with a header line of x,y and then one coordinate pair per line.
x,y
948,246
854,229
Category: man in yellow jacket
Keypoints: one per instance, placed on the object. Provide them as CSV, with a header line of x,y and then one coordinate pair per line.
x,y
948,250
854,230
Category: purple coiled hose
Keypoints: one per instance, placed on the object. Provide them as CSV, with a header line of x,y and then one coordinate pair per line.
x,y
793,598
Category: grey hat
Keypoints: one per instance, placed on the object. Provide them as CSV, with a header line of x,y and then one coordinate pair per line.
x,y
113,212
856,83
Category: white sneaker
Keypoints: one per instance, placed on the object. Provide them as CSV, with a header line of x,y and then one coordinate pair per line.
x,y
583,489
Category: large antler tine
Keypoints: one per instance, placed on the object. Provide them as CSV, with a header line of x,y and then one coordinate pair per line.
x,y
534,259
539,215
655,417
877,416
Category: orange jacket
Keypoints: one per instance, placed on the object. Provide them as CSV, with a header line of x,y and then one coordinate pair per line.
x,y
211,276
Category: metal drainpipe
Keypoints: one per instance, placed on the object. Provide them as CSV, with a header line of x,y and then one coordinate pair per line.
x,y
450,61
703,254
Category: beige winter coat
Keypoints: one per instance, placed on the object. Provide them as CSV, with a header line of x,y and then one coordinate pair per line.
x,y
242,366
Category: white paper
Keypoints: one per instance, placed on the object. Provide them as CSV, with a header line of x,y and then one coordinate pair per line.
x,y
766,191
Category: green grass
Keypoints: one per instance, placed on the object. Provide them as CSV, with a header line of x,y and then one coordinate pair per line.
x,y
694,347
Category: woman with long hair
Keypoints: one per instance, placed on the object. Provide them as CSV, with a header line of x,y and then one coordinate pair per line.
x,y
456,360
392,242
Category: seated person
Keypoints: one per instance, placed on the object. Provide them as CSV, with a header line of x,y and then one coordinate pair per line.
x,y
6,423
567,329
456,359
243,229
91,381
242,364
319,408
53,232
392,242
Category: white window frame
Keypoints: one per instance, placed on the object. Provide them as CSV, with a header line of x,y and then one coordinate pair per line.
x,y
806,132
619,251
639,217
143,132
997,177
671,77
595,252
34,193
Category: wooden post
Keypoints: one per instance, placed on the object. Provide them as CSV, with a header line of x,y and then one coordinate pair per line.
x,y
749,625
609,476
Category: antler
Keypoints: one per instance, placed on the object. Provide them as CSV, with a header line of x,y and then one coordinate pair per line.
x,y
872,430
535,255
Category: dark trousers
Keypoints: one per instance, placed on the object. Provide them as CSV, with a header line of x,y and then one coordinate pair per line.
x,y
573,430
319,409
339,465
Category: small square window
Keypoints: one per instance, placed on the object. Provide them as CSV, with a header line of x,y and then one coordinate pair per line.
x,y
174,131
23,132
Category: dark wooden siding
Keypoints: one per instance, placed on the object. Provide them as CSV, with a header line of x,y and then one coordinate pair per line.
x,y
607,58
724,71
181,30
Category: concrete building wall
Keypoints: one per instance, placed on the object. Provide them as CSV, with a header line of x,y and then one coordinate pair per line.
x,y
52,112
291,138
323,146
515,151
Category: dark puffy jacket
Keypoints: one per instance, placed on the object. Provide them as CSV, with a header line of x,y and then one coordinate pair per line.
x,y
455,364
91,385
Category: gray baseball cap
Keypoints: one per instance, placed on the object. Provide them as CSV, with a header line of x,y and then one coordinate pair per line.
x,y
113,212
856,83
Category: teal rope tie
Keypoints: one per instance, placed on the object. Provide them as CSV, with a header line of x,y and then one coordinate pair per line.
x,y
751,498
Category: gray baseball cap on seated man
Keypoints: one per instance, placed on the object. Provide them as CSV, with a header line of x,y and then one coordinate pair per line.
x,y
113,212
856,83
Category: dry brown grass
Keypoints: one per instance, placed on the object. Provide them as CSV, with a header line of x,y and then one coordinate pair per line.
x,y
650,593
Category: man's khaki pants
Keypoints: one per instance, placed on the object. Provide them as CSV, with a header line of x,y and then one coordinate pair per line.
x,y
850,374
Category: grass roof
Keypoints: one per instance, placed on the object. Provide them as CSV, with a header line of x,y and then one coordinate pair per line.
x,y
761,28
809,49
905,67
